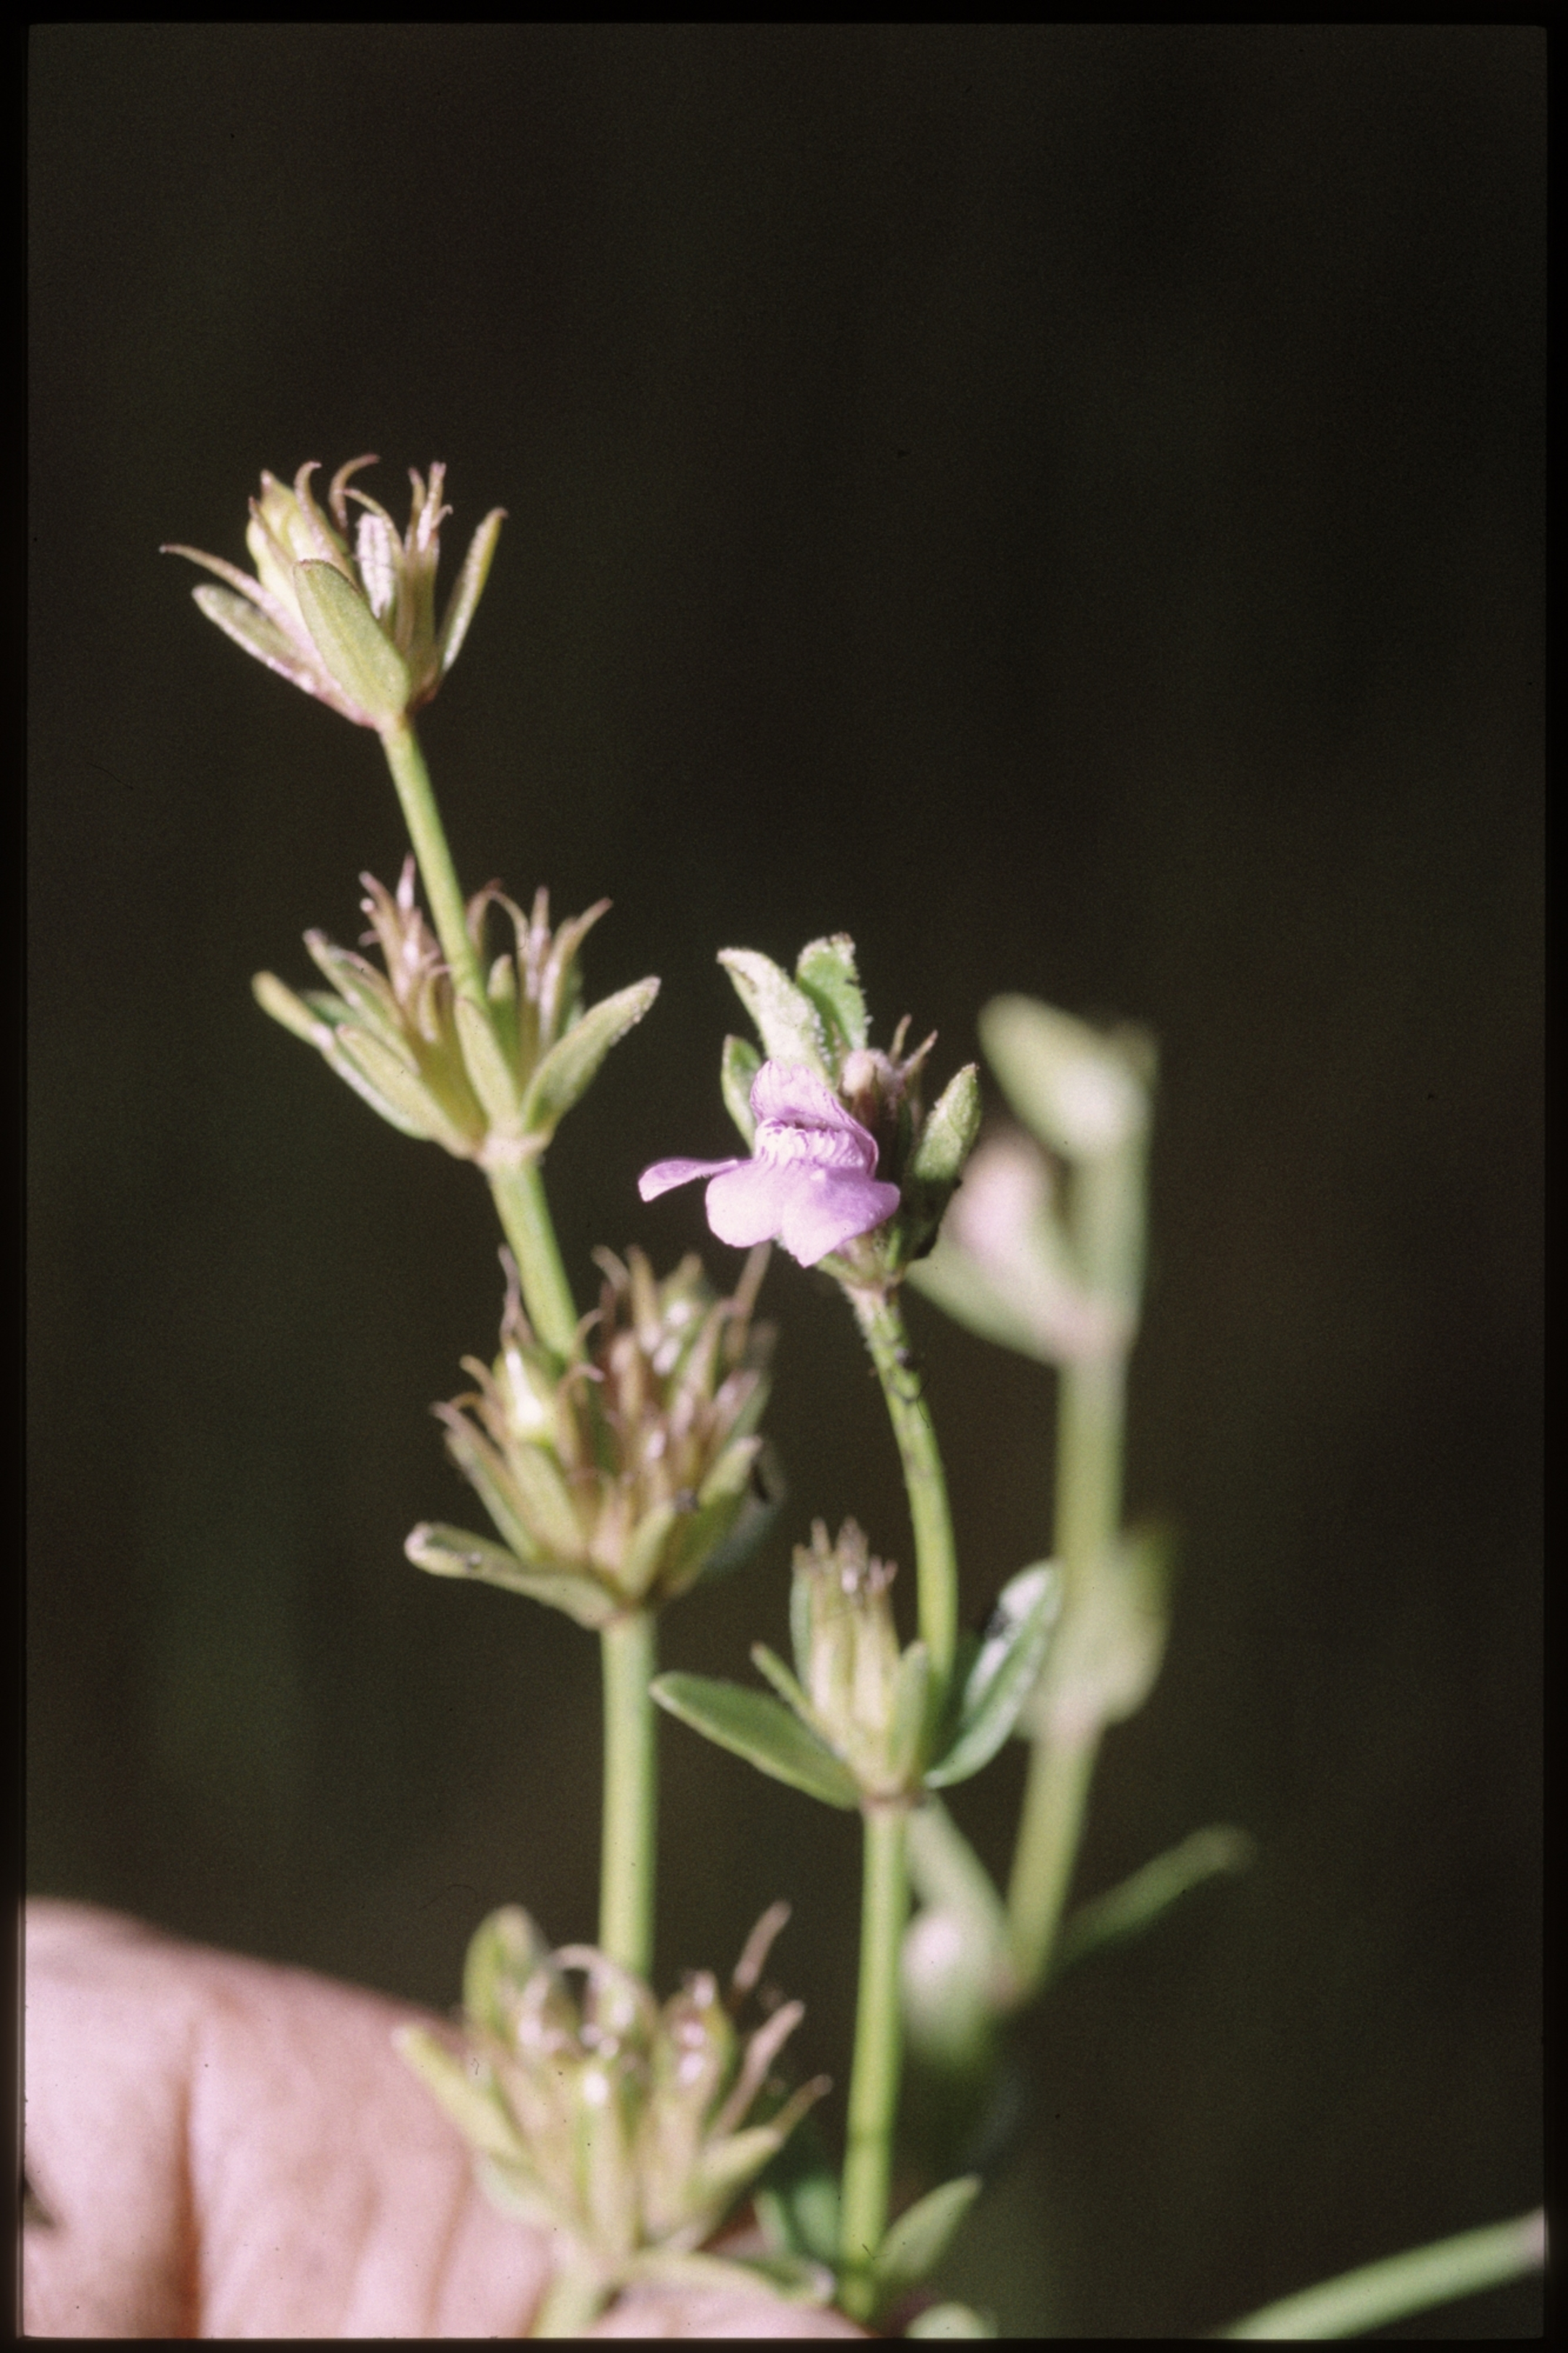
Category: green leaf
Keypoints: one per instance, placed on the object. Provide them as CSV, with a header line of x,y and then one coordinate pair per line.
x,y
1074,1087
503,1952
825,971
1003,1674
1109,1651
787,1021
948,1137
570,1068
364,662
472,2102
919,2238
454,1552
797,2200
738,1067
953,1282
1401,2285
950,2320
750,1725
1136,1903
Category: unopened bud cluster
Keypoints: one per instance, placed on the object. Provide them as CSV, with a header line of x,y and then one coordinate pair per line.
x,y
624,2127
619,1481
490,1085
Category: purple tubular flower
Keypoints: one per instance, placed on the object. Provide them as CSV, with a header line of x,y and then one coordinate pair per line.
x,y
810,1182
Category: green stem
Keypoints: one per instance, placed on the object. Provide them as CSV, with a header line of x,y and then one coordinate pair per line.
x,y
1090,1417
874,2080
1048,1832
426,831
1402,2285
524,1214
1106,1215
936,1565
631,1792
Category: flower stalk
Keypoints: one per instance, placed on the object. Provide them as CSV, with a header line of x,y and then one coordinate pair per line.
x,y
881,1322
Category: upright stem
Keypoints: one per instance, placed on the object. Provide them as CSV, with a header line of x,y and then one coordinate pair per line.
x,y
631,1792
936,1564
1050,1827
524,1213
426,831
1106,1216
874,2081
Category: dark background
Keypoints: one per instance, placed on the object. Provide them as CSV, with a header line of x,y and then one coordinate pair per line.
x,y
1063,505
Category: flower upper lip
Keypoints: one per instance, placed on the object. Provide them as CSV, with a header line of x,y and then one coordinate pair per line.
x,y
810,1182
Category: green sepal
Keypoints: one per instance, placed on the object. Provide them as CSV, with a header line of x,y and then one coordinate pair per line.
x,y
469,587
796,2281
251,629
761,1730
947,1138
786,1021
569,1068
919,2238
367,997
825,971
758,1507
494,1079
454,1552
800,1624
640,1562
364,662
503,1952
275,998
724,2170
739,1066
1136,1903
387,1076
1003,1675
475,2108
523,1492
911,1716
768,1662
1078,1090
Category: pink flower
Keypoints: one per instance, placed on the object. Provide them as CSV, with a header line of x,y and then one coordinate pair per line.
x,y
810,1182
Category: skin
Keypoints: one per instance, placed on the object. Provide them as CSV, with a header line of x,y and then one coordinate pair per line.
x,y
218,2147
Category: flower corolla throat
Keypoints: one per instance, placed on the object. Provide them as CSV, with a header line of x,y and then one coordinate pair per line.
x,y
810,1182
